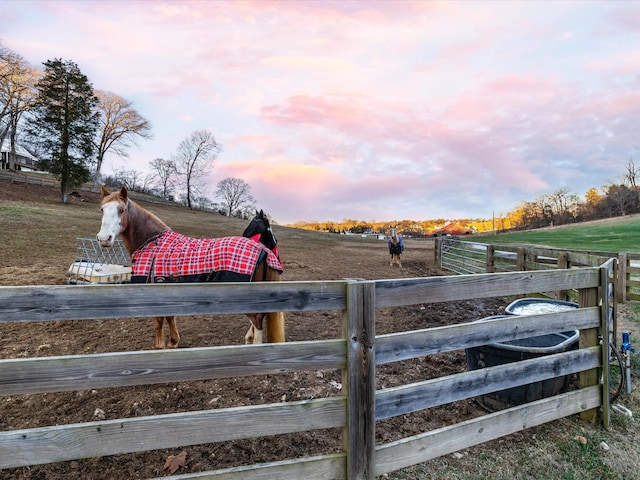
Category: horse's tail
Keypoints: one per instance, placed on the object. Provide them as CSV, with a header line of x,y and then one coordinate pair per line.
x,y
275,320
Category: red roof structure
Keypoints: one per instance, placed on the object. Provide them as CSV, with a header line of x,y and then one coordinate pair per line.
x,y
451,228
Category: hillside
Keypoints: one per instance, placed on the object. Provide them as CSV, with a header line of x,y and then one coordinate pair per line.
x,y
43,236
38,244
617,234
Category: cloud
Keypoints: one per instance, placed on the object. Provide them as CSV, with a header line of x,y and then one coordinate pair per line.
x,y
371,110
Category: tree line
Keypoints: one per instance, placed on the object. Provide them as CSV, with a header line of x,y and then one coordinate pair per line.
x,y
619,198
57,115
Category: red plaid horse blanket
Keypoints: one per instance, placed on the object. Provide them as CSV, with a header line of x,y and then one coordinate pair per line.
x,y
173,255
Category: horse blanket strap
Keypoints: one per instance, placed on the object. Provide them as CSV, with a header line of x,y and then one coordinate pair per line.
x,y
256,238
175,257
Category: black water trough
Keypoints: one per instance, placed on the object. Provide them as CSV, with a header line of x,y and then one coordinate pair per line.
x,y
524,349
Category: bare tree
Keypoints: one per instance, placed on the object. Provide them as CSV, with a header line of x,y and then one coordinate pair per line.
x,y
236,196
164,173
193,160
120,125
629,178
8,60
565,204
134,180
203,203
18,94
621,200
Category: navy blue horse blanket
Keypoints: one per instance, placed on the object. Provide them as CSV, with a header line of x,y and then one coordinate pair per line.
x,y
396,248
173,257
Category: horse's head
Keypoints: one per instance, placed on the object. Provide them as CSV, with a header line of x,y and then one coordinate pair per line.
x,y
113,208
259,228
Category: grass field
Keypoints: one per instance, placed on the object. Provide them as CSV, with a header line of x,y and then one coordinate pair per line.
x,y
620,234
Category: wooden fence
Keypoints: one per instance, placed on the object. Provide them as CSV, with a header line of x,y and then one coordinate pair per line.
x,y
464,257
629,276
357,353
28,179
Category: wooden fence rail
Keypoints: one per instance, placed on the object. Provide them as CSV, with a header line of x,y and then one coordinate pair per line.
x,y
355,410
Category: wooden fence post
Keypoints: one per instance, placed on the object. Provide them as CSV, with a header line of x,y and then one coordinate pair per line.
x,y
436,249
358,380
588,297
563,262
623,263
522,259
491,266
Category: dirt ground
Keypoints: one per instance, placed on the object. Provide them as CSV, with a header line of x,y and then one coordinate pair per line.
x,y
31,219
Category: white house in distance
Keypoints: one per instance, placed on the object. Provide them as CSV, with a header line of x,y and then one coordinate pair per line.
x,y
24,160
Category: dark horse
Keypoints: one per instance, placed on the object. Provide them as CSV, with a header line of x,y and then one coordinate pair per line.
x,y
259,230
396,247
159,254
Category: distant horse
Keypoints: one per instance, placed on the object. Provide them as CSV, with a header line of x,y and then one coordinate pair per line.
x,y
259,230
396,247
159,254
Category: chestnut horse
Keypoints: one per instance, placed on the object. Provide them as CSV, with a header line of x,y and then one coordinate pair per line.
x,y
159,254
396,247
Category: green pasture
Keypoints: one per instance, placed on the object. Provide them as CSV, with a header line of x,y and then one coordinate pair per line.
x,y
621,234
15,211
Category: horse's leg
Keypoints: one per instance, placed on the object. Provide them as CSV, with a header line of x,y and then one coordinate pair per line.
x,y
159,331
254,334
391,261
275,327
399,261
174,336
248,337
275,320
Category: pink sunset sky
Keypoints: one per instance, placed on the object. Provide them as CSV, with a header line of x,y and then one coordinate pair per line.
x,y
368,110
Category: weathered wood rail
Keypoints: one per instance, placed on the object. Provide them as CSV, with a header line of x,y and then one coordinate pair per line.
x,y
355,410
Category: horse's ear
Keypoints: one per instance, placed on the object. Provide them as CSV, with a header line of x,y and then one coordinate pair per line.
x,y
103,191
261,214
124,193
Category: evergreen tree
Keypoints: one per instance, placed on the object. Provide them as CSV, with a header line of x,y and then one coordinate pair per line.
x,y
64,123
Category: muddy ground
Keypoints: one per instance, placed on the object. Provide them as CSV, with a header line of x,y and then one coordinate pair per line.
x,y
41,251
